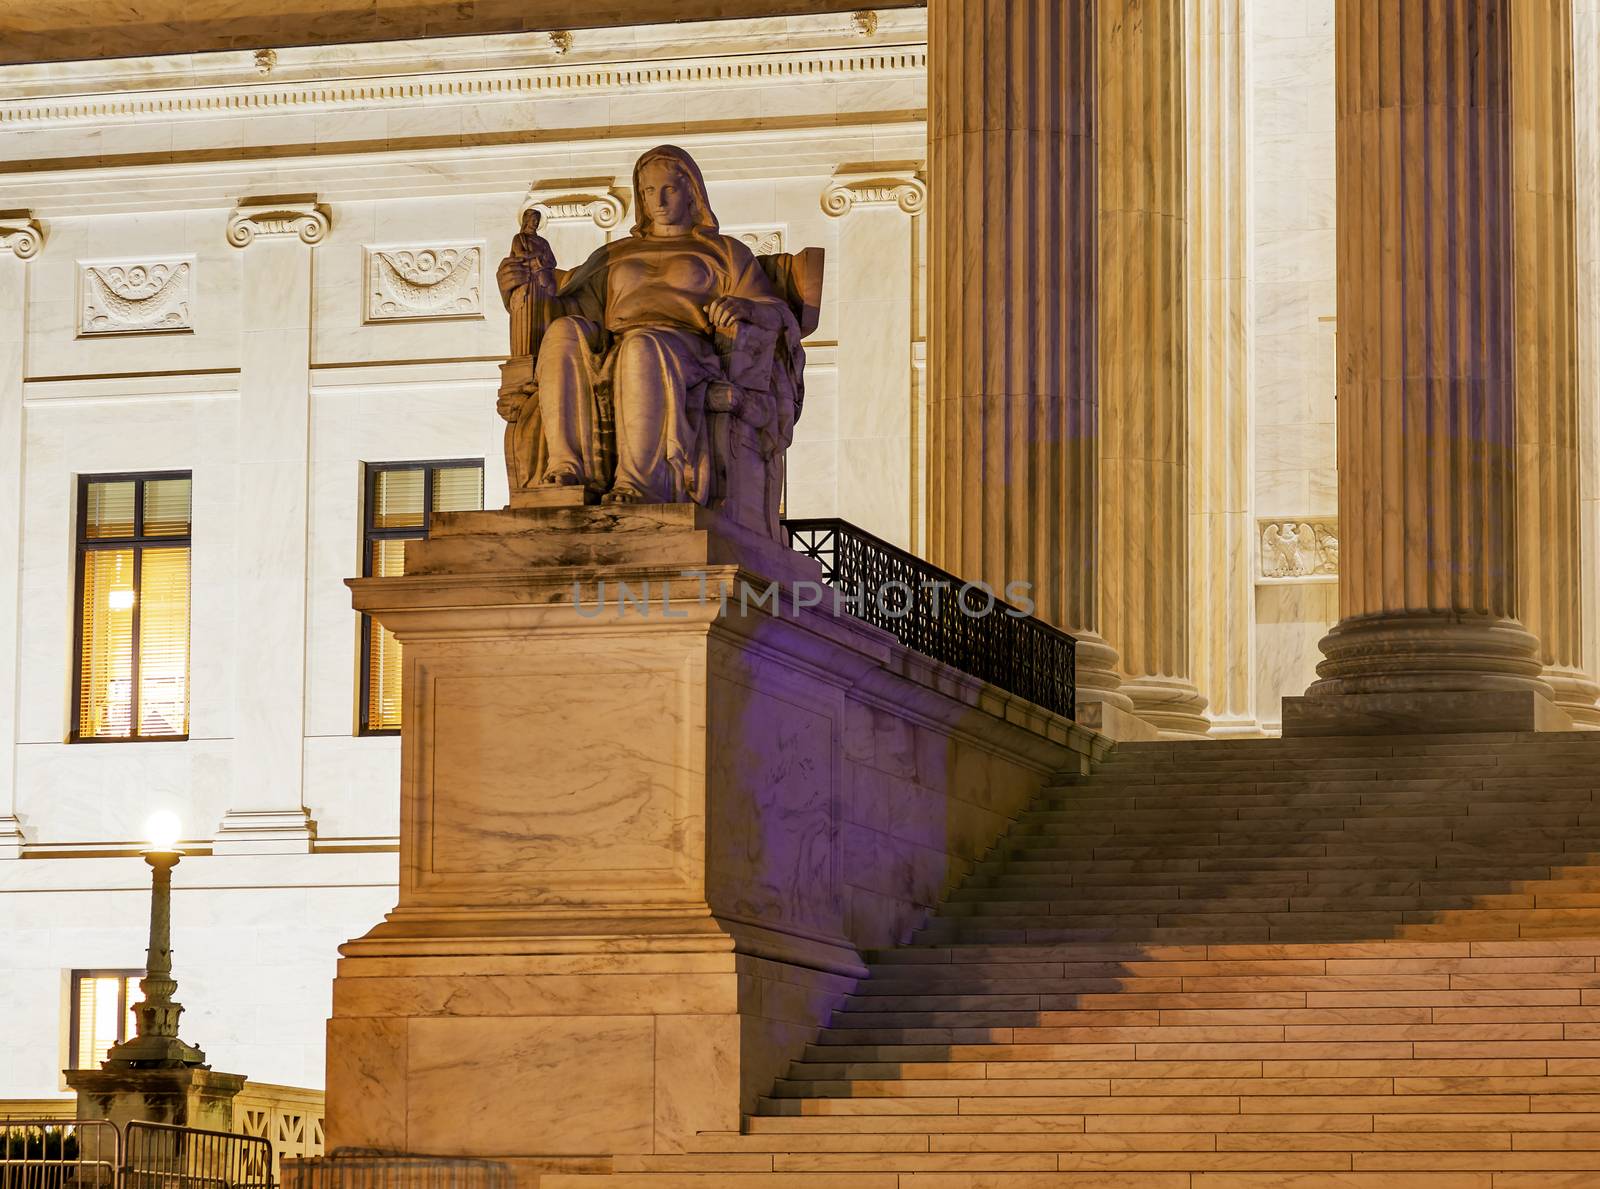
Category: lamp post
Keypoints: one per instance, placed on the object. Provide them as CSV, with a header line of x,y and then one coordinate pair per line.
x,y
155,1043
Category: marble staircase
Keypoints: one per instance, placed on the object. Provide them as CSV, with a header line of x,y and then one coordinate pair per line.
x,y
1365,963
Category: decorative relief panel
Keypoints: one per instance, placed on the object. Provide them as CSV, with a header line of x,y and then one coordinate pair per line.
x,y
1298,549
436,281
763,241
134,296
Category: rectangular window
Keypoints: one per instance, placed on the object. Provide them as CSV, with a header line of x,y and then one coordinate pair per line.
x,y
102,1013
401,499
132,671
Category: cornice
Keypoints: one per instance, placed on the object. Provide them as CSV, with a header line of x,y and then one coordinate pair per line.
x,y
473,86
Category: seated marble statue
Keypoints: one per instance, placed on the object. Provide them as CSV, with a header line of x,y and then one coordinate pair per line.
x,y
635,349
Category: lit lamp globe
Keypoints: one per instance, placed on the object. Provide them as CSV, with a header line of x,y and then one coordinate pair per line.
x,y
162,831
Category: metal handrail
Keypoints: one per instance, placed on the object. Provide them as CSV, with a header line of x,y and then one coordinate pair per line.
x,y
978,633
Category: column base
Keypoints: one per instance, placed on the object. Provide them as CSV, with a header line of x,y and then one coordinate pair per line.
x,y
1172,705
1404,653
1428,712
265,832
1574,691
1102,706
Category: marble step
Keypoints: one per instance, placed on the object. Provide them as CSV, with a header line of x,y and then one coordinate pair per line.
x,y
1048,902
1131,811
1391,881
1284,887
1375,776
1390,830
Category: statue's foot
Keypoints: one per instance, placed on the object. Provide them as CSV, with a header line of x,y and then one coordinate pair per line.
x,y
563,476
623,495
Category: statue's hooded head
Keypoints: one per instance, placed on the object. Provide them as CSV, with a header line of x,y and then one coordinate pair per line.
x,y
672,156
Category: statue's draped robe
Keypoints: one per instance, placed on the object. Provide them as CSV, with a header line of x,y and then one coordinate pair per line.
x,y
624,366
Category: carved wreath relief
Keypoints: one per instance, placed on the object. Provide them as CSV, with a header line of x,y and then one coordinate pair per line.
x,y
123,297
1299,548
440,281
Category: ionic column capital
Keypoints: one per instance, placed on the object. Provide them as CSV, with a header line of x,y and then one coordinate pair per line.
x,y
874,186
299,215
20,234
601,201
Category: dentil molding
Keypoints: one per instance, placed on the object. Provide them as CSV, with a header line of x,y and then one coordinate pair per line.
x,y
424,281
875,187
20,234
134,296
601,201
299,215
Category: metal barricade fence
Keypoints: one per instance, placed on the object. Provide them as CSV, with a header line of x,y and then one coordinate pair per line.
x,y
375,1168
163,1156
95,1154
59,1154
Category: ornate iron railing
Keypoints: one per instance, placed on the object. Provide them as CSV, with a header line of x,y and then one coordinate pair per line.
x,y
939,615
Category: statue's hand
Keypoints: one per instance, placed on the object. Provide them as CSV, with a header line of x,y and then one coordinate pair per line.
x,y
726,312
542,281
509,406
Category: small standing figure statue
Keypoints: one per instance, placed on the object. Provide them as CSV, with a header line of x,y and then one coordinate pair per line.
x,y
530,255
527,278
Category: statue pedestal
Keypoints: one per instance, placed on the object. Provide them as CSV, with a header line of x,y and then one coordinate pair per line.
x,y
644,830
185,1096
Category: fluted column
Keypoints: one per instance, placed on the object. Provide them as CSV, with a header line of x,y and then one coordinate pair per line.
x,y
1014,486
1143,375
1219,362
1549,531
1428,588
1586,137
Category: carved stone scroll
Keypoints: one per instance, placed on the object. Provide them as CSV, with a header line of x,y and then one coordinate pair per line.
x,y
267,218
599,200
851,188
20,233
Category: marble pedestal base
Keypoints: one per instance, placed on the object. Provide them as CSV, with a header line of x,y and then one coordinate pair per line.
x,y
184,1097
654,797
1425,672
1422,713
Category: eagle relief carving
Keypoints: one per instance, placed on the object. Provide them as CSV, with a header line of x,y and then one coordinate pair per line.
x,y
440,281
123,297
1299,549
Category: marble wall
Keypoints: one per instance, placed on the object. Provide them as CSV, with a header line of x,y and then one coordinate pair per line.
x,y
1289,73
